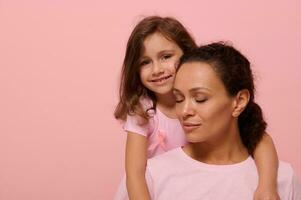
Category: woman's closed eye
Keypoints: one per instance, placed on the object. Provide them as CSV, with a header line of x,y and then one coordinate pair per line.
x,y
179,100
201,100
178,96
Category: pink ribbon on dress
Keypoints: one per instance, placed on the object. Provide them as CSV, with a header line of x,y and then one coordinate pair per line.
x,y
159,141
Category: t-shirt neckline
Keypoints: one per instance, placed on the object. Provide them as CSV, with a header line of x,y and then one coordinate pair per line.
x,y
200,164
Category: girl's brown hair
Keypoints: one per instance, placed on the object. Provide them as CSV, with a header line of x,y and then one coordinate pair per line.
x,y
131,89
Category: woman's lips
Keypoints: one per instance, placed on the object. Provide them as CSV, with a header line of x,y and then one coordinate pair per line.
x,y
188,127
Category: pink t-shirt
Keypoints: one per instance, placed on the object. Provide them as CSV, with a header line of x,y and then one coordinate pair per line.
x,y
174,175
163,133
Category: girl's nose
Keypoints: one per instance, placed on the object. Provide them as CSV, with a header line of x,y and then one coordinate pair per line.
x,y
157,69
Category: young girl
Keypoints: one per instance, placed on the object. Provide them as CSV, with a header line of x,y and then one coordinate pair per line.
x,y
147,106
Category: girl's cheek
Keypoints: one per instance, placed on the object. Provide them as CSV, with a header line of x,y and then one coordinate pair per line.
x,y
173,63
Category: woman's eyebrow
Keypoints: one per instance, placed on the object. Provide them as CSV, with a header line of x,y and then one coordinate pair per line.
x,y
197,89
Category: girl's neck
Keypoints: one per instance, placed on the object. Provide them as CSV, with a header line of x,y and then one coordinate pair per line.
x,y
166,103
166,100
221,152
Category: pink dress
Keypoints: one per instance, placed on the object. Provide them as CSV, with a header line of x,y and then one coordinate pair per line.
x,y
163,134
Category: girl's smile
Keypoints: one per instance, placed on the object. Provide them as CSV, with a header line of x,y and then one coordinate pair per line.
x,y
162,80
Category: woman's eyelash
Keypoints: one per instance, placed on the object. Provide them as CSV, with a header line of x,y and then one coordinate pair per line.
x,y
201,100
179,101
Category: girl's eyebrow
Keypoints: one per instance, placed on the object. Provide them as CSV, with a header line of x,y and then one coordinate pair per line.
x,y
143,58
166,51
159,53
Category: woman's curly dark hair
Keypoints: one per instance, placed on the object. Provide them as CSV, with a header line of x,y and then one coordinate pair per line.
x,y
234,70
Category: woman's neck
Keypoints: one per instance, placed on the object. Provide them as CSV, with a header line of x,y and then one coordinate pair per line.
x,y
226,150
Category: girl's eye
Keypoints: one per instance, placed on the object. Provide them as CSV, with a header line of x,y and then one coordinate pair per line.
x,y
167,56
145,62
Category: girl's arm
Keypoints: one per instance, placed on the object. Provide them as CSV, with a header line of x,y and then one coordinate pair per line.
x,y
266,160
135,165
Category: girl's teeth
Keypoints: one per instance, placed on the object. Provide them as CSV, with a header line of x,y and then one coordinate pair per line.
x,y
160,80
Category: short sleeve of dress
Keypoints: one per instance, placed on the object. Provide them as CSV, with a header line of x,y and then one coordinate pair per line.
x,y
133,123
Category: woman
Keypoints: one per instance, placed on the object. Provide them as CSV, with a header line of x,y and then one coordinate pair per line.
x,y
214,91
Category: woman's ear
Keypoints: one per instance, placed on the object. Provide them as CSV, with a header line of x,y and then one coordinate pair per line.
x,y
240,102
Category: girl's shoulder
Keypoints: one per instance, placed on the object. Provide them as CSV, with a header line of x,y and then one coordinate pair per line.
x,y
148,106
147,103
137,124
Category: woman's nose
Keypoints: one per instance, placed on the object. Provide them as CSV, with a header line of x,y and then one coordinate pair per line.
x,y
187,109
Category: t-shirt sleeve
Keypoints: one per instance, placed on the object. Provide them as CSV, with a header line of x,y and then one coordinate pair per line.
x,y
296,188
133,124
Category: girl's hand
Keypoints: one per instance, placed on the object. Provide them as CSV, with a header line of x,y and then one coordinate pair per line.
x,y
266,194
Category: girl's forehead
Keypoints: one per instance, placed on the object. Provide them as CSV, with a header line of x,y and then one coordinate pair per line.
x,y
157,40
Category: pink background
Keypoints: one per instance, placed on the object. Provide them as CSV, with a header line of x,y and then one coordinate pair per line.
x,y
59,69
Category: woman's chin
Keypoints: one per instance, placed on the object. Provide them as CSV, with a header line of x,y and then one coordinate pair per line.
x,y
193,139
